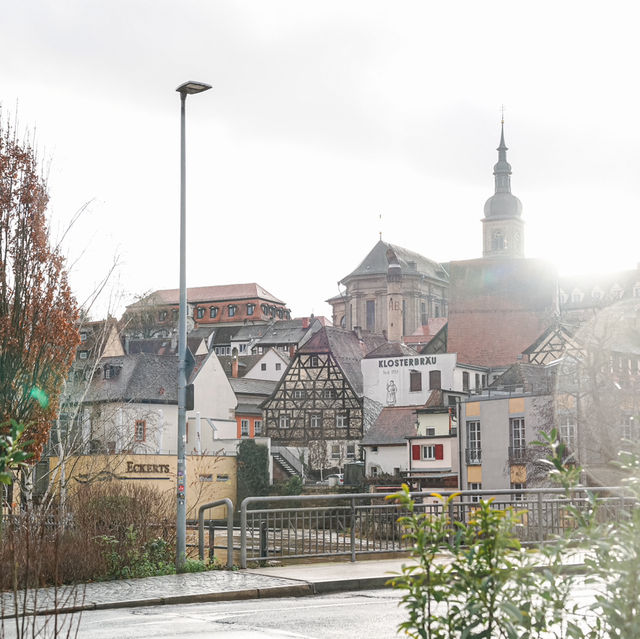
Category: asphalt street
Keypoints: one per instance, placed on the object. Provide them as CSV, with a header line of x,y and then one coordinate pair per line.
x,y
372,613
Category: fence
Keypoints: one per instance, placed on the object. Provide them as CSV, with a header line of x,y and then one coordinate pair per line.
x,y
349,525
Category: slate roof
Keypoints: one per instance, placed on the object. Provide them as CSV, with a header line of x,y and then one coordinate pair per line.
x,y
532,378
142,377
375,263
222,293
347,349
245,363
393,425
391,349
284,332
244,385
223,335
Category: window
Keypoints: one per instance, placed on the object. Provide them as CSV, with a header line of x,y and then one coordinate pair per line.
x,y
517,438
278,366
431,431
140,430
243,348
263,367
205,477
415,381
299,393
341,421
108,372
371,315
351,451
284,421
568,431
162,315
83,354
257,427
424,318
213,312
313,361
200,312
475,486
232,310
626,428
250,309
435,380
264,308
244,428
518,486
497,241
465,381
329,393
474,444
222,477
335,451
374,471
174,314
429,452
477,381
315,420
83,336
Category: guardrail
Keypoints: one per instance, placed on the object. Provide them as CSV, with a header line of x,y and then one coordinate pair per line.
x,y
349,525
221,502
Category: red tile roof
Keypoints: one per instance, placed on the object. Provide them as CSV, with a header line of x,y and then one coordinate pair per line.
x,y
219,293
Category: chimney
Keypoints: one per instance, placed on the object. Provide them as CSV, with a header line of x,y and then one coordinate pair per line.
x,y
292,350
305,322
234,367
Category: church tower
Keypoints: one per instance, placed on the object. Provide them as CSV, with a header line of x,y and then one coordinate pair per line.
x,y
503,228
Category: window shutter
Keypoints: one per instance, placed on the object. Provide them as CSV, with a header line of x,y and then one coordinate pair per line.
x,y
415,451
439,451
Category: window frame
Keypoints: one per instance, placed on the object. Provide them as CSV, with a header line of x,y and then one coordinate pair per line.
x,y
137,437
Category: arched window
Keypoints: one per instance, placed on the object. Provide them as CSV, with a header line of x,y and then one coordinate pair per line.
x,y
497,241
213,312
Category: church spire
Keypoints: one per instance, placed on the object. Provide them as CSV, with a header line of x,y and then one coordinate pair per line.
x,y
502,170
502,223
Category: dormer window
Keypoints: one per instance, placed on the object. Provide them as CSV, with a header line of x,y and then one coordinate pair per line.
x,y
232,310
200,312
213,312
250,309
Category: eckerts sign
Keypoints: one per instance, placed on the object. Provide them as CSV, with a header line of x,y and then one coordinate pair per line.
x,y
407,361
147,468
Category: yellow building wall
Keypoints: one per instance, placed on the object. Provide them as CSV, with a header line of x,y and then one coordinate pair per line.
x,y
518,474
474,474
472,409
516,405
209,478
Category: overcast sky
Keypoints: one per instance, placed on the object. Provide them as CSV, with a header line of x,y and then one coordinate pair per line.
x,y
324,116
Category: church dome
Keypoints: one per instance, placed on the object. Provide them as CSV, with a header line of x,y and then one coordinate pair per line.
x,y
503,205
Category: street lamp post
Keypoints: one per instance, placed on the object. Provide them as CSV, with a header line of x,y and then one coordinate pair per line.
x,y
188,88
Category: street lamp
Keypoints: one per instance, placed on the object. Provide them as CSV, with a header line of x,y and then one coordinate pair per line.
x,y
188,88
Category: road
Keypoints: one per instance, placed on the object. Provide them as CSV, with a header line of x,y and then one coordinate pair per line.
x,y
372,613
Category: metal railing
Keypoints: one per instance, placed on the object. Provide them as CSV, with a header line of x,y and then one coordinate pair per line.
x,y
350,525
220,502
473,456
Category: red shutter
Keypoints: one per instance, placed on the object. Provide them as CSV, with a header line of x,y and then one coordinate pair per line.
x,y
439,451
415,451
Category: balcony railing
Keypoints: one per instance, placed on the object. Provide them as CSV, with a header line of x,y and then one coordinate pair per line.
x,y
473,456
517,454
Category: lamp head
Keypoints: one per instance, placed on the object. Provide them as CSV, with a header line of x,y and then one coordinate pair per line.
x,y
191,87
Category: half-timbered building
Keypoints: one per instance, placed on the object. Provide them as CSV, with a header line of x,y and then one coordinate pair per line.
x,y
318,404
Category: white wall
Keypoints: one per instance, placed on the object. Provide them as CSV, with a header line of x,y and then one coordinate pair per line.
x,y
270,359
381,374
386,458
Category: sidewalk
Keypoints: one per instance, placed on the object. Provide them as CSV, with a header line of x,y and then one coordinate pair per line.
x,y
217,585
